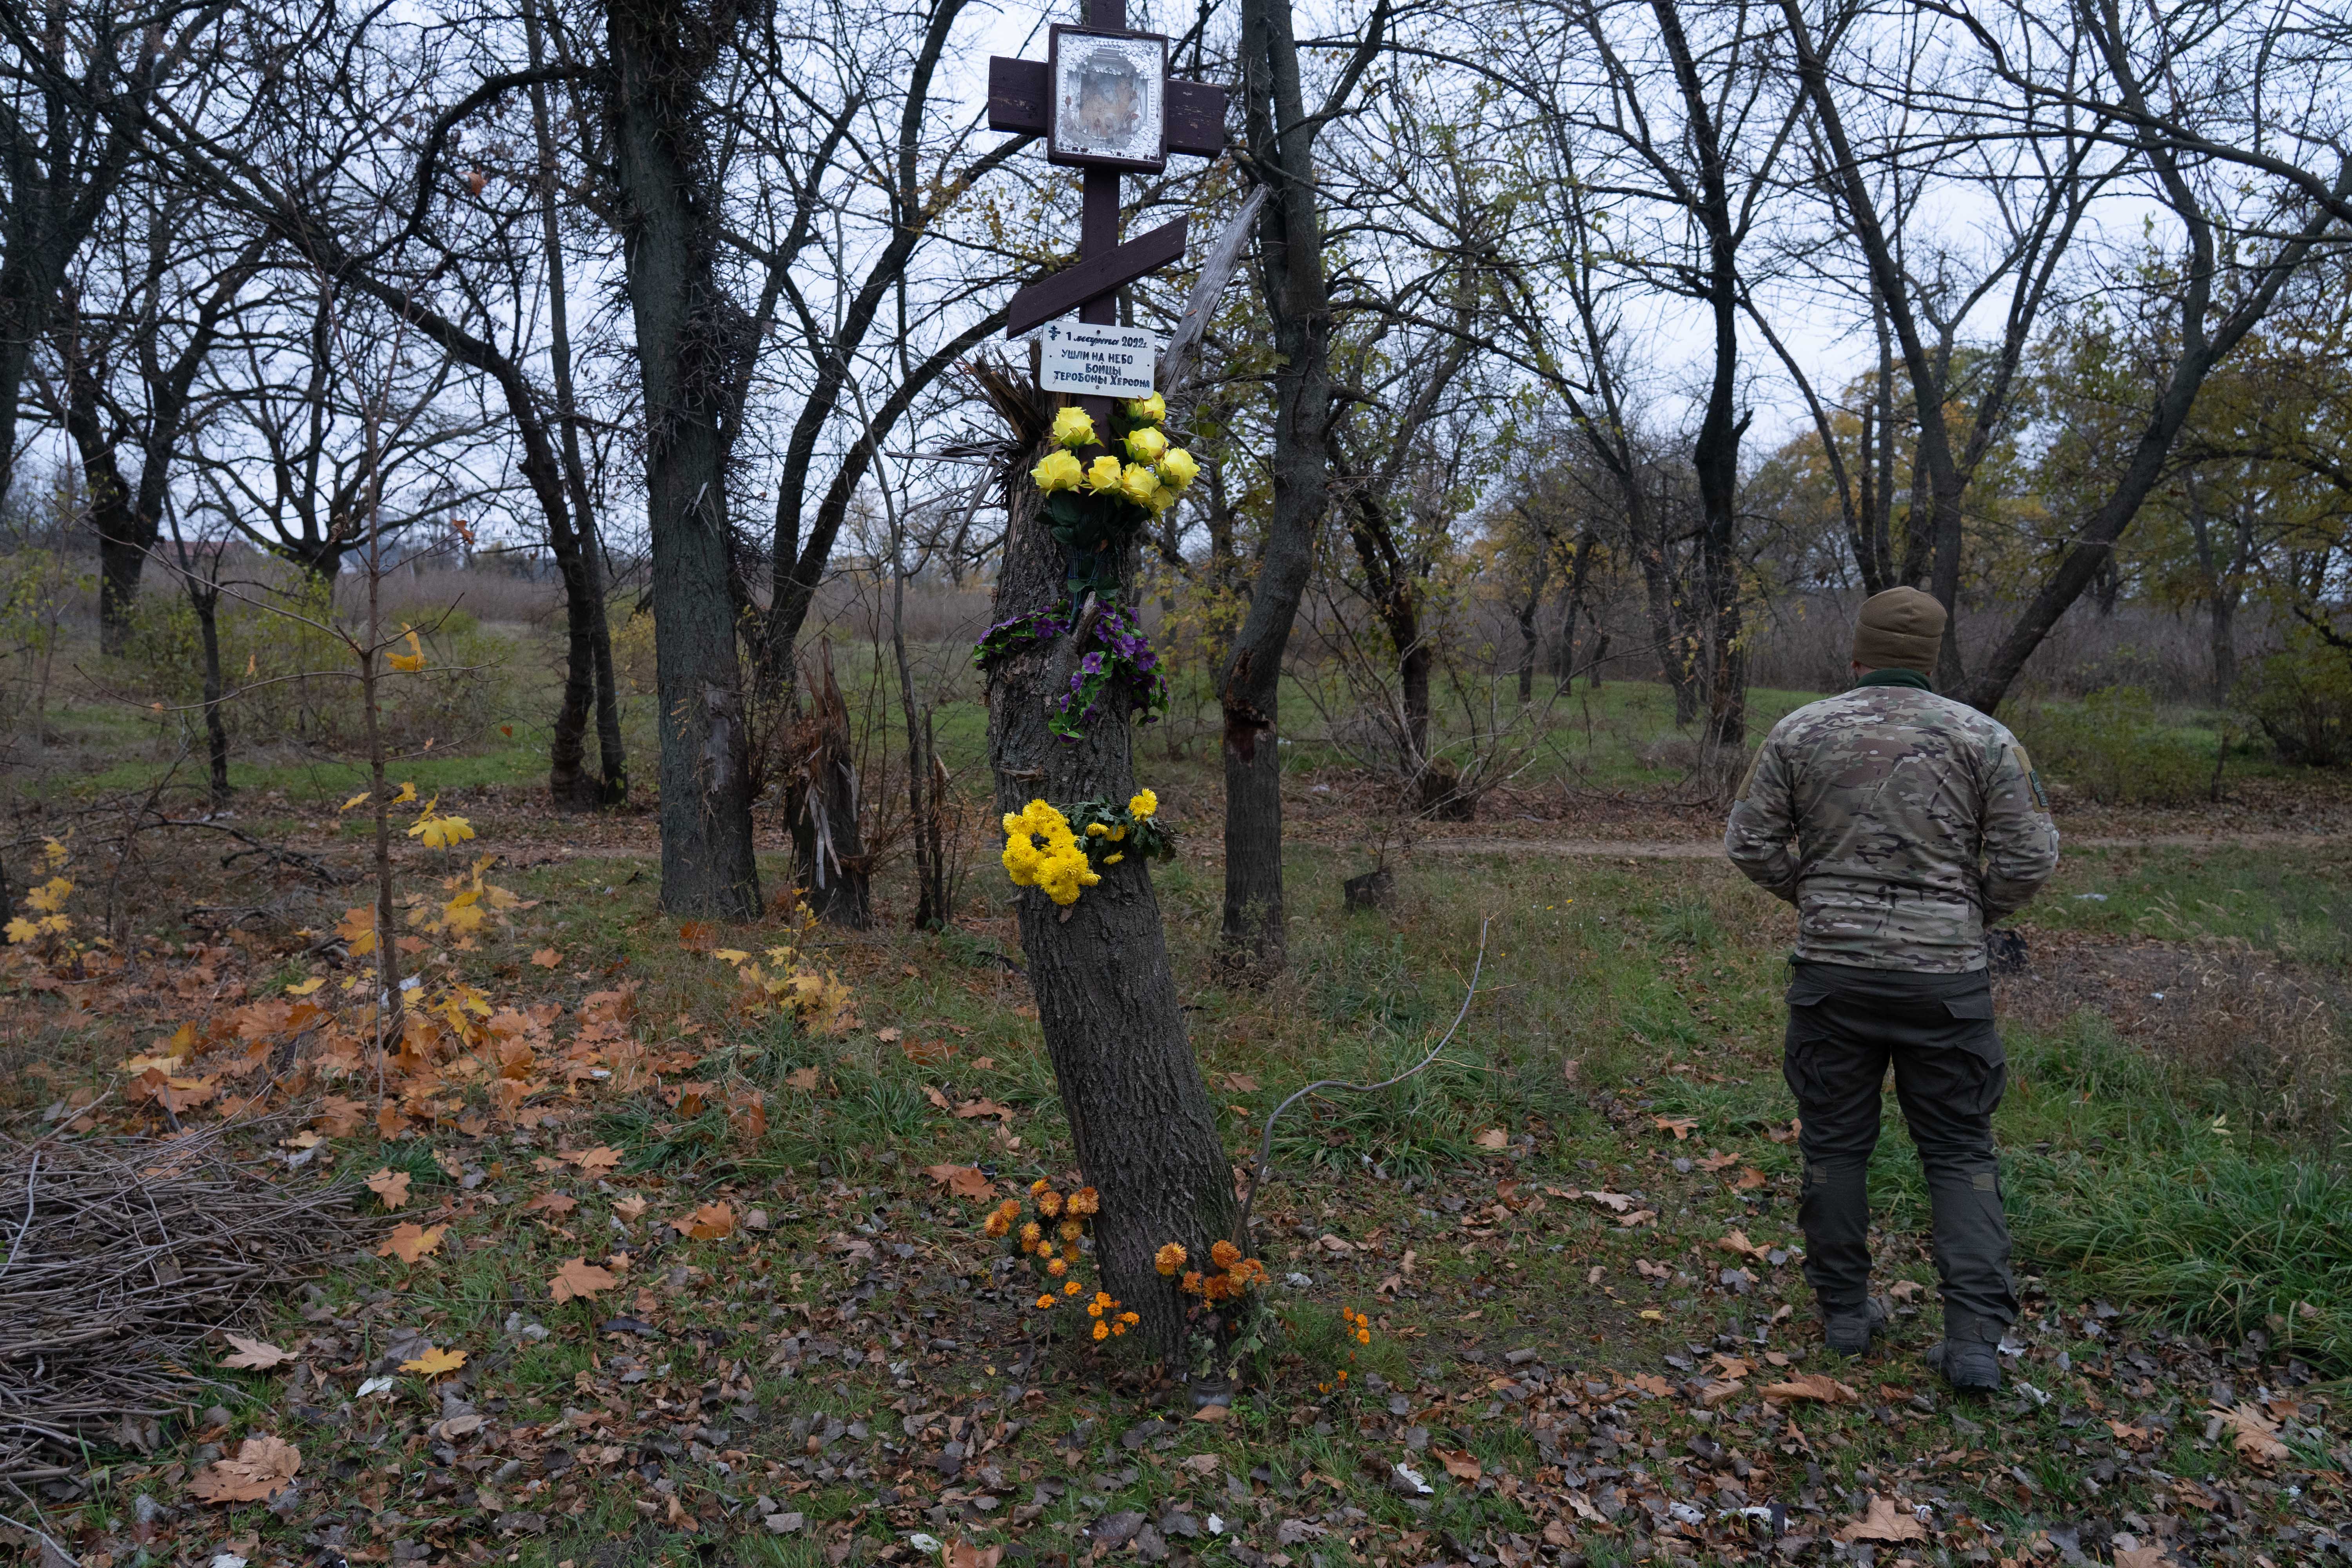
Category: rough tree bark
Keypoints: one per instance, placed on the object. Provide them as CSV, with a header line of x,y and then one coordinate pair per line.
x,y
821,802
1281,152
689,339
588,644
1145,1131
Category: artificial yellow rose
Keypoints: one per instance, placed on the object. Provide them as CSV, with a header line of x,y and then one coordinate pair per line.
x,y
1147,445
1153,408
1059,471
1073,426
1178,468
1103,473
1137,483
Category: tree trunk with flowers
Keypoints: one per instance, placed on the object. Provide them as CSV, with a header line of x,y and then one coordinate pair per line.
x,y
1145,1130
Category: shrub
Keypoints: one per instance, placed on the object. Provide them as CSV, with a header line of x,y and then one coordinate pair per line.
x,y
2113,748
2302,697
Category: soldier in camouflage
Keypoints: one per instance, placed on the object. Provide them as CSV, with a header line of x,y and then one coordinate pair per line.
x,y
1899,822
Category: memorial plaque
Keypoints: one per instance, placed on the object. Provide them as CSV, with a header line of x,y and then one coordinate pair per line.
x,y
1096,362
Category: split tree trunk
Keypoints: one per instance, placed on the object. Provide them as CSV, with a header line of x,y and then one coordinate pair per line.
x,y
1139,1115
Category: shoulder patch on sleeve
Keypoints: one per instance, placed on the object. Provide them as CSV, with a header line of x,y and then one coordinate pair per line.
x,y
1748,779
2033,779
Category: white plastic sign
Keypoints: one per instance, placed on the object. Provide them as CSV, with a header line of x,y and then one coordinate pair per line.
x,y
1100,362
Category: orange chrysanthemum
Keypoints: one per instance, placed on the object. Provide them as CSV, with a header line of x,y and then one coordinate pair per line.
x,y
1085,1201
1169,1259
1224,1255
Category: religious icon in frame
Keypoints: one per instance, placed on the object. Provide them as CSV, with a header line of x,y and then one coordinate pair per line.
x,y
1109,99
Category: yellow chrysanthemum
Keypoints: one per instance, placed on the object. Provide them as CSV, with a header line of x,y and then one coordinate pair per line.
x,y
1143,803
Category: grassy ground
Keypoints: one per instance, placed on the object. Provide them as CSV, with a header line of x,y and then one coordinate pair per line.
x,y
1573,1239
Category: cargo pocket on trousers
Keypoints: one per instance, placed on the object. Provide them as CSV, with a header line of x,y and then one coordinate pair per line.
x,y
1974,1033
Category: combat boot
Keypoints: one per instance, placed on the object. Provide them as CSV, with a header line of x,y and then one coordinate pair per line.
x,y
1971,1366
1850,1333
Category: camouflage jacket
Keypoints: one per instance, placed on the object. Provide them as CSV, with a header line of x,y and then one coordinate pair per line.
x,y
1917,819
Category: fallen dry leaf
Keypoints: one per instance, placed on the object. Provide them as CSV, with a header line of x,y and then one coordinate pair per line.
x,y
261,1467
602,1160
1680,1126
389,1187
712,1222
1887,1520
255,1355
547,958
939,1101
631,1207
1750,1178
1211,1412
964,1554
1461,1465
1818,1385
983,1106
551,1202
435,1362
802,1079
1493,1138
2257,1434
410,1242
579,1279
1656,1387
2139,1557
963,1181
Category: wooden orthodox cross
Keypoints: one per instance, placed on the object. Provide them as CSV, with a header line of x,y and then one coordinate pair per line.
x,y
1105,103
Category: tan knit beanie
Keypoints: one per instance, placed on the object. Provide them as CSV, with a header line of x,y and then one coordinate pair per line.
x,y
1900,628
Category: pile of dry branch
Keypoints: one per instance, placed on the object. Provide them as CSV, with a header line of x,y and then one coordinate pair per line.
x,y
117,1256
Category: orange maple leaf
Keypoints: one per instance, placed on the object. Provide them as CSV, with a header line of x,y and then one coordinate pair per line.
x,y
435,1362
389,1187
579,1279
712,1222
963,1181
410,1242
